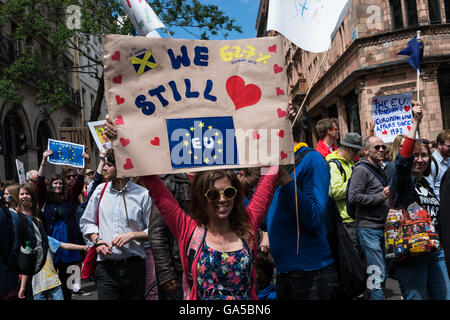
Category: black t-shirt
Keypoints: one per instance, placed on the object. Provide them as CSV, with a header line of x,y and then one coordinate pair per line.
x,y
425,197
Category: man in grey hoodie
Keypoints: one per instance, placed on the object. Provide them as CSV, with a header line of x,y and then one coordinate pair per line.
x,y
369,192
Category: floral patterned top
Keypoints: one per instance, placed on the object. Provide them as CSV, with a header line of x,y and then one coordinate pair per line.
x,y
223,275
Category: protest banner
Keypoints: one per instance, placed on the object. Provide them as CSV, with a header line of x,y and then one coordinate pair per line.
x,y
392,115
20,171
77,135
99,134
66,153
191,105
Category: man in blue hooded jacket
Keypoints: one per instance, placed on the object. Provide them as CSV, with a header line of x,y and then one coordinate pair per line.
x,y
305,266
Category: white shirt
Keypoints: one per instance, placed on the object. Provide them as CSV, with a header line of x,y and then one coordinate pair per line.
x,y
113,219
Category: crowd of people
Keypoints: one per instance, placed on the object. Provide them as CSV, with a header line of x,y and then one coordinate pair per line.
x,y
240,234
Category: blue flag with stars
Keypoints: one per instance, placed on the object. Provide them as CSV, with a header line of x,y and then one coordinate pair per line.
x,y
415,52
66,153
199,142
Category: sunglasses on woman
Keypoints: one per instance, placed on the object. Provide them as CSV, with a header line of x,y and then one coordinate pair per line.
x,y
229,193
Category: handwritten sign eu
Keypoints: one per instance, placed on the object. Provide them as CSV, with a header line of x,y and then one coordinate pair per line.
x,y
392,115
190,105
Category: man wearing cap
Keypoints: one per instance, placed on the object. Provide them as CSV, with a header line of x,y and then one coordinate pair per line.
x,y
341,163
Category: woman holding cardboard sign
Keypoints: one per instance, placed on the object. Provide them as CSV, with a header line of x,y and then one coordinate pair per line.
x,y
218,241
421,270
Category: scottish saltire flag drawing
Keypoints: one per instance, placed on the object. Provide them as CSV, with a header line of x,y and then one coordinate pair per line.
x,y
199,142
309,24
66,153
415,52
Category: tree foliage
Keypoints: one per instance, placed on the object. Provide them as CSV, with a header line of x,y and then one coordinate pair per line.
x,y
46,21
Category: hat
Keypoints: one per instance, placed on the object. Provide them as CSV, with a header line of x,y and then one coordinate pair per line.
x,y
89,171
352,140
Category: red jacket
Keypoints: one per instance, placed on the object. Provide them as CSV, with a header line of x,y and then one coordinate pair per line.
x,y
182,225
323,149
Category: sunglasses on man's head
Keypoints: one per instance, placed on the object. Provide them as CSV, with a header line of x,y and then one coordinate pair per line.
x,y
380,146
71,176
229,193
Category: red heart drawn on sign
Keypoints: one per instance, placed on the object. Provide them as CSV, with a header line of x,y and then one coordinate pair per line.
x,y
124,141
283,155
375,100
281,134
408,127
273,48
279,91
119,120
281,113
116,56
277,68
118,79
155,141
242,95
256,135
119,99
384,132
407,108
128,164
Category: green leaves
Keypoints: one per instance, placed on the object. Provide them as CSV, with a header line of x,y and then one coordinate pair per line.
x,y
55,30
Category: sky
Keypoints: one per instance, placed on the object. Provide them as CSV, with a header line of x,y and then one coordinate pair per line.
x,y
243,11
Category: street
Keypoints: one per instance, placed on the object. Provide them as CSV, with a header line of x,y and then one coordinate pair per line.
x,y
392,290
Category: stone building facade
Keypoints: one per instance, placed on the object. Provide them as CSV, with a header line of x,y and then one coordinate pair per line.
x,y
362,63
37,124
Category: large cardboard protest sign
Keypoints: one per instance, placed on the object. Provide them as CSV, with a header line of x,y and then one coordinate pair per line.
x,y
77,135
392,115
190,105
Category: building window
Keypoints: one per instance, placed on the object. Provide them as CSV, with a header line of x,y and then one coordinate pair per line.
x,y
352,108
444,92
411,13
396,12
447,10
434,11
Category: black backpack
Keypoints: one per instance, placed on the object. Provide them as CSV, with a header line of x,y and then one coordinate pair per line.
x,y
18,230
352,275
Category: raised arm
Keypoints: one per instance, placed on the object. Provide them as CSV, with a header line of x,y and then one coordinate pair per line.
x,y
262,198
173,215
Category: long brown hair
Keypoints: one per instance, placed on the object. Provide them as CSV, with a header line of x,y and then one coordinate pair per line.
x,y
419,144
239,219
396,145
30,188
52,195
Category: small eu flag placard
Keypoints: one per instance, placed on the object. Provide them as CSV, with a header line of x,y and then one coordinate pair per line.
x,y
199,142
66,153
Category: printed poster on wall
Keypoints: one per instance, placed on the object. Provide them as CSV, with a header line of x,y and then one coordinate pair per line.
x,y
392,115
191,105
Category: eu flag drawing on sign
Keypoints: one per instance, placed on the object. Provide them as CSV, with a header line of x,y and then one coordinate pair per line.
x,y
66,153
202,142
143,62
415,52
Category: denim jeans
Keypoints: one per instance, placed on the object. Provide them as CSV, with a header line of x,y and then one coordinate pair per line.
x,y
424,274
320,284
372,245
50,294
